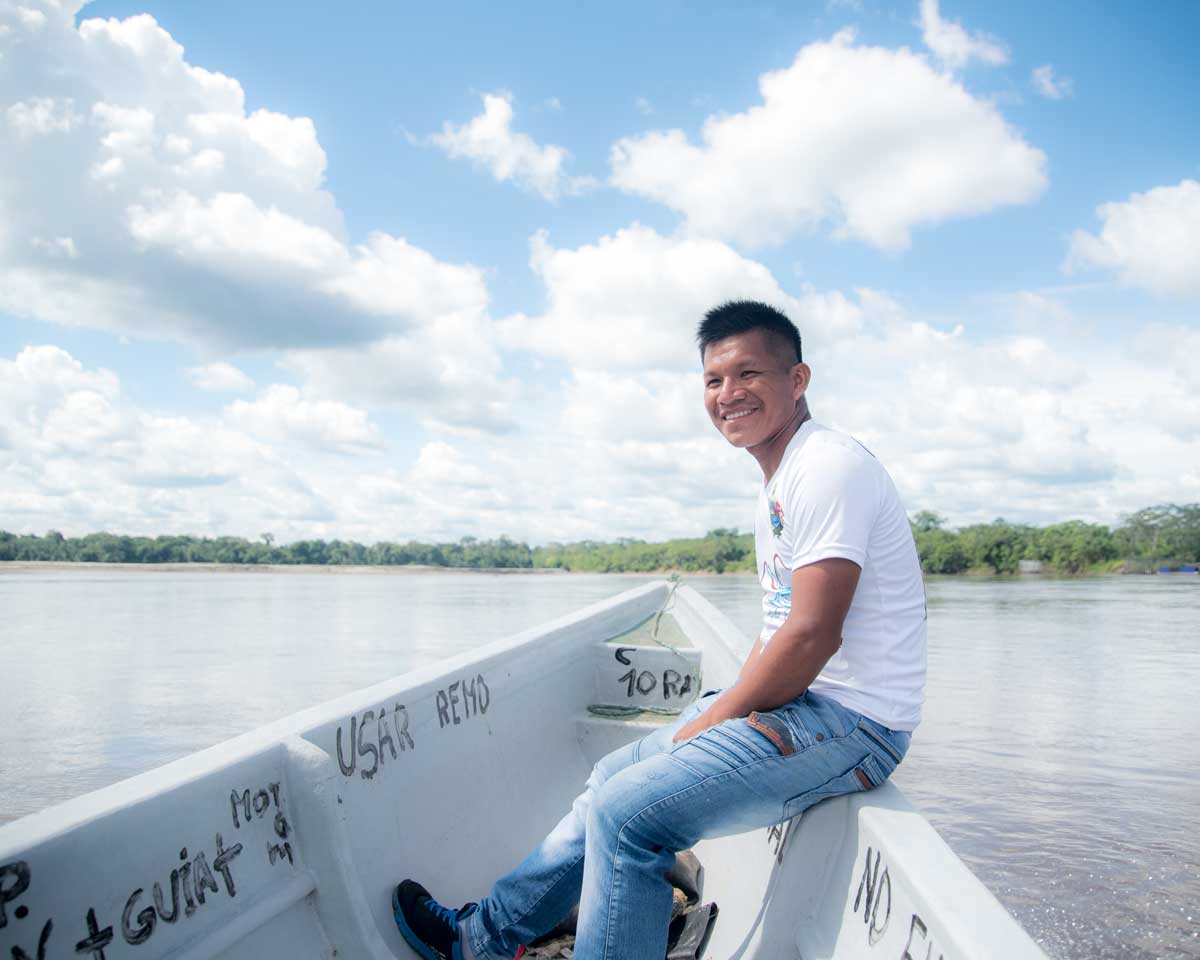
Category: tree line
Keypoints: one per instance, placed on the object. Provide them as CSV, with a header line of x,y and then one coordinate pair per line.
x,y
1165,534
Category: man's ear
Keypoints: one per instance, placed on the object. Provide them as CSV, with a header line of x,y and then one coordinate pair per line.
x,y
801,375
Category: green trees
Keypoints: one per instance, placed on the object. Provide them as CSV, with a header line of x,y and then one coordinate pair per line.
x,y
1073,546
1164,534
941,551
1169,533
718,551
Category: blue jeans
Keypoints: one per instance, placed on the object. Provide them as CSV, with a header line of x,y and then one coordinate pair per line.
x,y
648,800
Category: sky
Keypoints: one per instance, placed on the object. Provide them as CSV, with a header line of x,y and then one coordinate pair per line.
x,y
384,271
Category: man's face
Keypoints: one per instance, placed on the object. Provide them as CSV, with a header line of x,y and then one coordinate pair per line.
x,y
751,387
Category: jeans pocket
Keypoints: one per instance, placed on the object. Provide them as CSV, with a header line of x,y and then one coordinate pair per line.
x,y
865,775
732,743
774,729
880,745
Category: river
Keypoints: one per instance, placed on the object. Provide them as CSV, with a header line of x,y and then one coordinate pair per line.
x,y
1057,755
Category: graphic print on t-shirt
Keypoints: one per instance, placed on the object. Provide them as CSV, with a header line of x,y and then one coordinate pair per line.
x,y
776,516
777,587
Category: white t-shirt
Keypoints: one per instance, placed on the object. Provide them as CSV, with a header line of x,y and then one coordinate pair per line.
x,y
830,497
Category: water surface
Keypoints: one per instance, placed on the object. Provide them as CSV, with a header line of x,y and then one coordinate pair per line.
x,y
1057,755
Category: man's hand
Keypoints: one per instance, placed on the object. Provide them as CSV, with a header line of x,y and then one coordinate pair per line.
x,y
709,718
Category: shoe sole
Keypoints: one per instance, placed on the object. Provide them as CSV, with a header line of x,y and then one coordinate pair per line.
x,y
412,939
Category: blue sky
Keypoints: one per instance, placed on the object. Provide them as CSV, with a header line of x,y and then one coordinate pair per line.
x,y
389,271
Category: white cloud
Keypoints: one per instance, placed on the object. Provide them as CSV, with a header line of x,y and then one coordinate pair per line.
x,y
953,45
33,19
159,206
1032,424
56,246
489,140
230,229
633,299
1151,240
1037,428
78,456
644,106
40,116
873,140
280,414
1049,84
446,375
219,378
389,276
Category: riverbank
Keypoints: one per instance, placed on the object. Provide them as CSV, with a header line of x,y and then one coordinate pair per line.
x,y
1169,535
1112,569
14,566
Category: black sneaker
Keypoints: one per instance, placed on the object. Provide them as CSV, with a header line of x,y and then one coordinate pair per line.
x,y
429,928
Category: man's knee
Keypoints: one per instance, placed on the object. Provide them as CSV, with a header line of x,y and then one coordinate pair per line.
x,y
631,802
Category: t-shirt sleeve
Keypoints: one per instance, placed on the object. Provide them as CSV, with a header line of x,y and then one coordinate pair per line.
x,y
833,497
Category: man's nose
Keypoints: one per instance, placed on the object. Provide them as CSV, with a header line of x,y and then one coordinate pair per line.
x,y
730,391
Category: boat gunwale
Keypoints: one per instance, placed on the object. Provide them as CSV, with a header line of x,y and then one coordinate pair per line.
x,y
72,814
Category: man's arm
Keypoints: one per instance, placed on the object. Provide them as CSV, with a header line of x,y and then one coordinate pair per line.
x,y
781,671
750,658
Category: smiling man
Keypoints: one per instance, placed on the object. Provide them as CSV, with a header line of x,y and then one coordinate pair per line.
x,y
824,705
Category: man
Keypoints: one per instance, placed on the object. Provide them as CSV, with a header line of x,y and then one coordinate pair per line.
x,y
824,704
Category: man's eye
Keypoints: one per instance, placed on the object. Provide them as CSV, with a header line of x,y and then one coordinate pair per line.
x,y
713,383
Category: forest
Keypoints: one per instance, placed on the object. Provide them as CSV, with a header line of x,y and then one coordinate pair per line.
x,y
1167,534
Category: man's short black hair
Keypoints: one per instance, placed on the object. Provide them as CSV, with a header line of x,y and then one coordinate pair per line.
x,y
742,316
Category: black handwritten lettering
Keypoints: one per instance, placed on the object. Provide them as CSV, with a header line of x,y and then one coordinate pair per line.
x,y
262,800
621,658
146,920
194,878
646,682
687,685
347,771
453,691
470,704
221,864
384,735
374,738
19,954
244,800
874,884
204,876
400,718
14,881
97,939
366,749
670,683
778,836
912,929
629,678
281,825
472,694
277,851
185,876
158,899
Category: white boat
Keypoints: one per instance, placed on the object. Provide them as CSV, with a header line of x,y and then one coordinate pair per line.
x,y
286,842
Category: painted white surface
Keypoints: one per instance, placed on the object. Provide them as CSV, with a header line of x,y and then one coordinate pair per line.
x,y
455,771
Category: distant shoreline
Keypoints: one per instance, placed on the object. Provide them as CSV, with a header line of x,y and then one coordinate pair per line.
x,y
11,567
14,566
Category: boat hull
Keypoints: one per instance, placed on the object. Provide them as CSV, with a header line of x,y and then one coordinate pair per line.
x,y
286,842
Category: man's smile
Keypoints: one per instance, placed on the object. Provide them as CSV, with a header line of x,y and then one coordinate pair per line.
x,y
738,414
